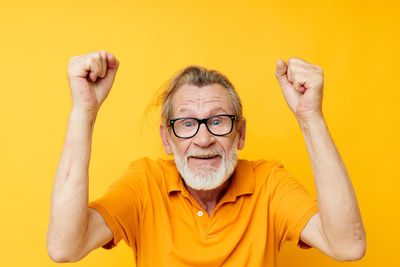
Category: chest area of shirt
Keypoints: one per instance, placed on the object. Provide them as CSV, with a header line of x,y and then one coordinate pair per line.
x,y
181,229
183,217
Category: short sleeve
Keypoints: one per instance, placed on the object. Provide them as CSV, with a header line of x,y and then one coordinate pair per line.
x,y
292,206
122,205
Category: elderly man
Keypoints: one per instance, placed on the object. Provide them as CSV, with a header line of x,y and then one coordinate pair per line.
x,y
205,208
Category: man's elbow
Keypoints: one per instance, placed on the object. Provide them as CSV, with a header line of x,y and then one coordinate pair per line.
x,y
355,253
57,256
61,255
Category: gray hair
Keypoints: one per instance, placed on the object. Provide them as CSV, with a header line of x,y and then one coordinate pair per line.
x,y
198,76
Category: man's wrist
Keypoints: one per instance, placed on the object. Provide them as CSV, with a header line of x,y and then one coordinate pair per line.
x,y
312,121
83,116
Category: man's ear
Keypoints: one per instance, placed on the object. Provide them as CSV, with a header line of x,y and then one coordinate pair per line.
x,y
165,140
242,134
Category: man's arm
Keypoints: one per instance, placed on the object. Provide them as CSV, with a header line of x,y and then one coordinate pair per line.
x,y
74,229
337,229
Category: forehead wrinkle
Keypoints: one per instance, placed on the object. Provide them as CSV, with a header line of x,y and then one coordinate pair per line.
x,y
208,107
200,101
182,106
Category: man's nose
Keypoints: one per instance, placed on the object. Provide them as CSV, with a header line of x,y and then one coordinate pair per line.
x,y
203,138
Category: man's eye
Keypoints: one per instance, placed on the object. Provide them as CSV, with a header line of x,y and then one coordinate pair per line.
x,y
216,122
188,124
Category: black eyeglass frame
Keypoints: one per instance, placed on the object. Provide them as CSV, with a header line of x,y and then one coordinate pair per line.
x,y
200,122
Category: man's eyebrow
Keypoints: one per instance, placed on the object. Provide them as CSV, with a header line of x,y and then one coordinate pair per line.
x,y
214,110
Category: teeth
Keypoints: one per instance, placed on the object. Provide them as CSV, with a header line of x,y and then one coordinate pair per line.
x,y
204,157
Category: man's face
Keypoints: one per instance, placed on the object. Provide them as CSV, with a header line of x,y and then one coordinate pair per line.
x,y
205,161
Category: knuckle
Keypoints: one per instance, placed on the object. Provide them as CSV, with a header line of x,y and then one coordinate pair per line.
x,y
73,60
92,61
291,71
74,65
294,60
291,60
96,56
297,77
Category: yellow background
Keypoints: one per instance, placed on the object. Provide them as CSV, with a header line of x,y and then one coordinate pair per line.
x,y
356,43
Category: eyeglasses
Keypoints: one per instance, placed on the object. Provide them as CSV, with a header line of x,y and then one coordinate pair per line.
x,y
188,127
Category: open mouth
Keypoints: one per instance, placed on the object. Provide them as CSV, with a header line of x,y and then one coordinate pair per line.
x,y
202,161
205,157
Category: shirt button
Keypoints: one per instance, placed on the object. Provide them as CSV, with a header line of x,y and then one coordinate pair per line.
x,y
200,213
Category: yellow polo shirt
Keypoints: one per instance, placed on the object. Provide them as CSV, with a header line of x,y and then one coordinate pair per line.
x,y
150,208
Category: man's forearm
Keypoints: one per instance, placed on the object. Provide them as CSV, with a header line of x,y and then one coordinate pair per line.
x,y
338,208
69,201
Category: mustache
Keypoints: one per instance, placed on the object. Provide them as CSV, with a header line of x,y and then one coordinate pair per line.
x,y
198,152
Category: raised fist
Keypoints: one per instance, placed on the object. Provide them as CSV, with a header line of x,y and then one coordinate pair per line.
x,y
301,84
91,77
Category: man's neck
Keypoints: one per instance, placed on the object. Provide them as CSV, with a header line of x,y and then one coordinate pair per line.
x,y
208,199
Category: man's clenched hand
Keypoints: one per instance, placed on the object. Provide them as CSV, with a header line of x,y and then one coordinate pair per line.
x,y
301,84
91,77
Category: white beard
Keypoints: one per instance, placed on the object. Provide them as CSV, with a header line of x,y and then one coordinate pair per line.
x,y
207,177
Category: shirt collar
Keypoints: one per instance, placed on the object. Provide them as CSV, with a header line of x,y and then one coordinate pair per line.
x,y
243,179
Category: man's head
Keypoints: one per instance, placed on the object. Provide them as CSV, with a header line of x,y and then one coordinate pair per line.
x,y
205,160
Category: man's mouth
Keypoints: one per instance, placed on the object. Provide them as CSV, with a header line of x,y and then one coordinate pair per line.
x,y
205,157
209,160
